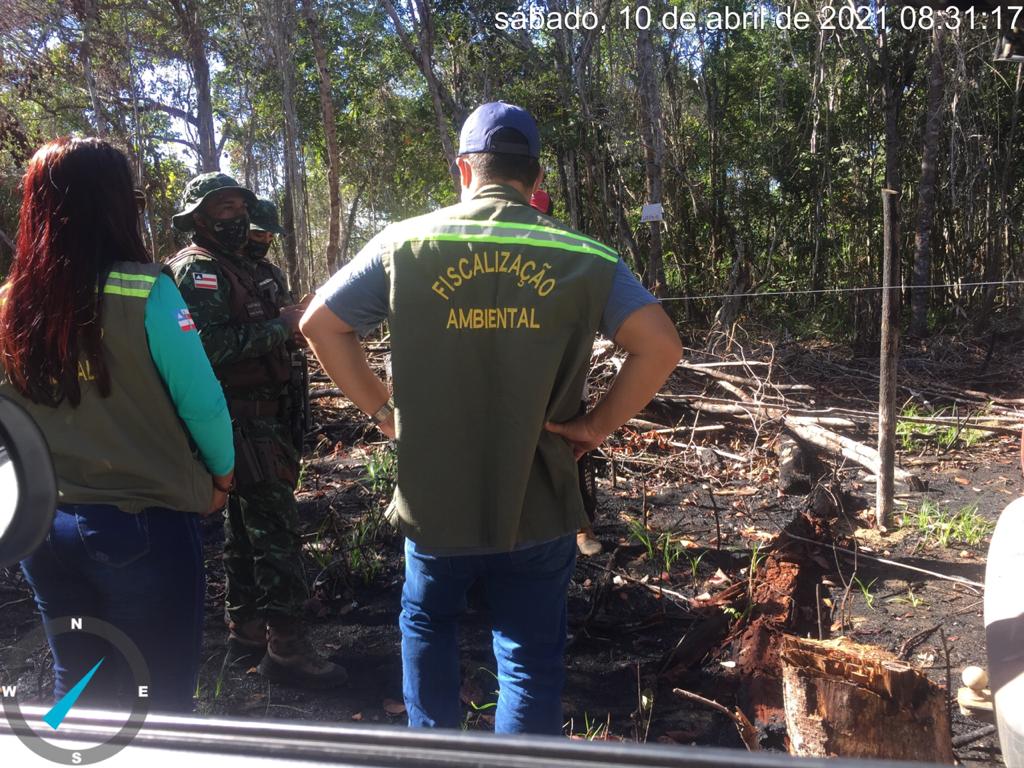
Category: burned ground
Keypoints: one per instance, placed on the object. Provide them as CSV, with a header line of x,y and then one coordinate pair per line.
x,y
690,515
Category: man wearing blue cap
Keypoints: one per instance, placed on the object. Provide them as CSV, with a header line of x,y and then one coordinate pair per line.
x,y
492,308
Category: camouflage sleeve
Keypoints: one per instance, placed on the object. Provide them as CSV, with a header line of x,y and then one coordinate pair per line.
x,y
206,292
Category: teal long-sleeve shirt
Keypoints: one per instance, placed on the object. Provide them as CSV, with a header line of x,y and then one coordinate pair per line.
x,y
183,365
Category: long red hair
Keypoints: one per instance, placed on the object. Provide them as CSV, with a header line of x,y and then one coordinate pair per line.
x,y
78,217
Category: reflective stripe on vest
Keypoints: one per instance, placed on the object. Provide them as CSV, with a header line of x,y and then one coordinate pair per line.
x,y
121,284
509,233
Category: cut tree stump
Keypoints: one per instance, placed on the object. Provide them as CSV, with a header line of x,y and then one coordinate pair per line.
x,y
843,699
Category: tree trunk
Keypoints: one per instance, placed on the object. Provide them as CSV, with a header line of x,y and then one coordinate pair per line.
x,y
330,136
926,188
654,151
280,19
88,14
193,29
444,105
288,223
350,222
998,252
888,360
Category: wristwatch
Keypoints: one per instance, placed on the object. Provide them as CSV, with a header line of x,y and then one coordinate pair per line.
x,y
385,412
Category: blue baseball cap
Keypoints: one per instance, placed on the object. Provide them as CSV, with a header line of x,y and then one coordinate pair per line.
x,y
487,119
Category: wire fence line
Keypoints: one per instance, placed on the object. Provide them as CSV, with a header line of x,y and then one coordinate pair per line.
x,y
804,291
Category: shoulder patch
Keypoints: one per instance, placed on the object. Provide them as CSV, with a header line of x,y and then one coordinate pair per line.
x,y
185,321
205,280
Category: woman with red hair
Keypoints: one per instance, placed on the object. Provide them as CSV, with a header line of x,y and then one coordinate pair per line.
x,y
96,343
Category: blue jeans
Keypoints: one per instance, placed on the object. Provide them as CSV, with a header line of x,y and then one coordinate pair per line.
x,y
143,574
526,592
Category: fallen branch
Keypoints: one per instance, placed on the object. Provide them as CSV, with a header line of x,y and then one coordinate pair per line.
x,y
747,731
915,640
844,446
677,598
972,736
661,429
832,442
711,372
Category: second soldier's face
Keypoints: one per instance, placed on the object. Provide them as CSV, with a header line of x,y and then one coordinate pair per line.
x,y
259,243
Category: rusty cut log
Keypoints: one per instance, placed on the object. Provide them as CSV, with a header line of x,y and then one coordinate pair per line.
x,y
843,699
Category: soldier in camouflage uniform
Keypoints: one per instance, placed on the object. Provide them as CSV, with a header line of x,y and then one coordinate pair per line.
x,y
263,226
249,333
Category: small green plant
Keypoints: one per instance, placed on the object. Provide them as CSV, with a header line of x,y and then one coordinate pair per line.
x,y
755,558
731,612
320,547
381,472
969,527
694,561
670,551
916,437
363,560
638,532
865,589
593,730
473,716
911,599
936,526
910,433
755,561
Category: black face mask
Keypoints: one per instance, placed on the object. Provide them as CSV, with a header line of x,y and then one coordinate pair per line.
x,y
230,234
256,250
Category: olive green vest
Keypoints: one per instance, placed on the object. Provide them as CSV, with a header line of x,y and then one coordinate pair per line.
x,y
493,310
129,449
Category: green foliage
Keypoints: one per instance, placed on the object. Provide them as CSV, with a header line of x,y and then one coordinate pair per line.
x,y
364,561
865,589
910,599
945,529
593,730
916,437
694,561
640,534
781,162
381,471
671,549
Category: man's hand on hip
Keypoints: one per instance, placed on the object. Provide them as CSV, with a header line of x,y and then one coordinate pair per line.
x,y
579,433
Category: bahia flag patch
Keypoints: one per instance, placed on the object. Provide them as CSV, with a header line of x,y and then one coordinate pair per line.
x,y
205,280
185,321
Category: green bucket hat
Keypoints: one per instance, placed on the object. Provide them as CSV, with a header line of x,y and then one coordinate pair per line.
x,y
263,217
201,187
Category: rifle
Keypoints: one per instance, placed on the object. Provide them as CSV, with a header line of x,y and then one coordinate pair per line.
x,y
296,405
588,477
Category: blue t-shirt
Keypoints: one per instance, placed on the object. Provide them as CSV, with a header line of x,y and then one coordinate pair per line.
x,y
358,293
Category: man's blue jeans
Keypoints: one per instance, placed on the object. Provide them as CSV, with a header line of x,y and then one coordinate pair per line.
x,y
526,593
143,574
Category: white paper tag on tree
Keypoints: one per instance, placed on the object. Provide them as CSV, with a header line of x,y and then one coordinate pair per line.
x,y
652,212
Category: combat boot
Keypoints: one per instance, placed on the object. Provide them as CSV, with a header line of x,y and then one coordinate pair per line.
x,y
291,660
247,642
